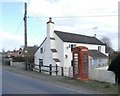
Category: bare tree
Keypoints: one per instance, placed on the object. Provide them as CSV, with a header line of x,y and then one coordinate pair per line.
x,y
108,44
109,49
106,41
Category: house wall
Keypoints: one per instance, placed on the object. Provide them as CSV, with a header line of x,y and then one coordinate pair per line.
x,y
93,47
46,55
59,47
38,54
100,62
67,55
97,62
36,57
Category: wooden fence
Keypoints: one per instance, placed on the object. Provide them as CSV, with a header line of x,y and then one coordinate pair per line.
x,y
40,68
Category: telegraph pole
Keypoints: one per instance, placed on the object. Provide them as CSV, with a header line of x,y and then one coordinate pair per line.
x,y
25,34
25,24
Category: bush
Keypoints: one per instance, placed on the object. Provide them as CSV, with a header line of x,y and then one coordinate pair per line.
x,y
18,59
115,67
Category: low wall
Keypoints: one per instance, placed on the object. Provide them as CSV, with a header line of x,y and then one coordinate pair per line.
x,y
102,75
17,63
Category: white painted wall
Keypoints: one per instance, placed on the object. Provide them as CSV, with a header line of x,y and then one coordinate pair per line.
x,y
48,54
93,47
52,43
100,62
38,55
59,48
102,75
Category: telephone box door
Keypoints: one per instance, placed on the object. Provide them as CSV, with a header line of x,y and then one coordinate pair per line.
x,y
84,61
76,65
80,63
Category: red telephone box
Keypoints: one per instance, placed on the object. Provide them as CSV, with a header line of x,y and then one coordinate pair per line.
x,y
80,63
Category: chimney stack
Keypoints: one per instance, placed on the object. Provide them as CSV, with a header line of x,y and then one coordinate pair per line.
x,y
50,28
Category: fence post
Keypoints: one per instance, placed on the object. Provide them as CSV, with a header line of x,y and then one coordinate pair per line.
x,y
50,69
56,69
39,68
31,66
62,71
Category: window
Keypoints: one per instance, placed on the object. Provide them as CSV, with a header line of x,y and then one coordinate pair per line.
x,y
41,50
20,52
72,46
99,48
41,62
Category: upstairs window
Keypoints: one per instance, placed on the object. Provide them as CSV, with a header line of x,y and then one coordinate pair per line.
x,y
72,46
41,50
99,48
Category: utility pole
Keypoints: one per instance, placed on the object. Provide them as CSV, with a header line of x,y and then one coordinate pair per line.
x,y
25,34
25,24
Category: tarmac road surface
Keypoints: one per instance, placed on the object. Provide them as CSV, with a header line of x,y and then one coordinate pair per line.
x,y
13,83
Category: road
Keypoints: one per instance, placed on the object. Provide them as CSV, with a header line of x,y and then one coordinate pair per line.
x,y
13,83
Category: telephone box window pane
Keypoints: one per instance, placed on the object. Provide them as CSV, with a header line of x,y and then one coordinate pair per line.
x,y
85,71
76,63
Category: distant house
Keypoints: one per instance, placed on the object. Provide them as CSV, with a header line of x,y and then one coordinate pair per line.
x,y
57,49
15,53
30,53
97,59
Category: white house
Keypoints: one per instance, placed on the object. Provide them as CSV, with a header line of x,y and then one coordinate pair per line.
x,y
57,49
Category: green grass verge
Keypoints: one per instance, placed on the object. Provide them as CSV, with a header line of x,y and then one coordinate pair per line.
x,y
93,85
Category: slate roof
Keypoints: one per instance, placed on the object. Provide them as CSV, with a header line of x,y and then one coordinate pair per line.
x,y
77,38
96,54
31,50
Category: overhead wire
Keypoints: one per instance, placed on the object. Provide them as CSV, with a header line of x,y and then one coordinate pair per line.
x,y
10,44
85,16
75,16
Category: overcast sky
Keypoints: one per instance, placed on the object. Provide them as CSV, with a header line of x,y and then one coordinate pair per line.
x,y
74,16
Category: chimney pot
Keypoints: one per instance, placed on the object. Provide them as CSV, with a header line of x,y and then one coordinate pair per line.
x,y
50,21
